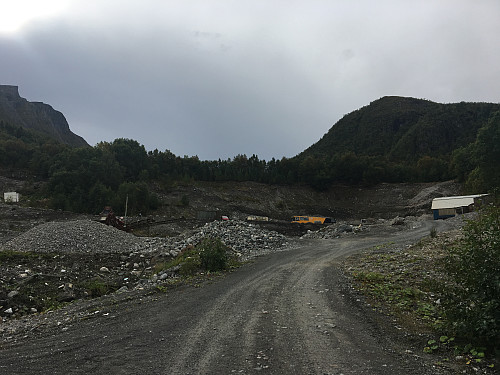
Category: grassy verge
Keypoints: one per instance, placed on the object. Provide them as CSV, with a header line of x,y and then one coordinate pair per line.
x,y
402,281
209,257
411,285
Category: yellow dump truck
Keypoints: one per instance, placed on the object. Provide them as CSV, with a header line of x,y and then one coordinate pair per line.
x,y
312,220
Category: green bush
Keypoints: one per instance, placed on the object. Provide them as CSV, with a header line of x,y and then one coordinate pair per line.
x,y
188,262
213,254
472,310
190,265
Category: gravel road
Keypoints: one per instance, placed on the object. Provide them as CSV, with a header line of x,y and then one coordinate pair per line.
x,y
291,312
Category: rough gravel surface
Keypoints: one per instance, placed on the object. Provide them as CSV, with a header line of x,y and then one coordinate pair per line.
x,y
293,313
86,236
56,263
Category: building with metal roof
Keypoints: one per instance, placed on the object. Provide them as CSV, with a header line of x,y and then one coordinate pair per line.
x,y
445,207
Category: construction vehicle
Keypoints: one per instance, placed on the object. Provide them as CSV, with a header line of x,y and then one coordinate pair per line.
x,y
108,217
312,220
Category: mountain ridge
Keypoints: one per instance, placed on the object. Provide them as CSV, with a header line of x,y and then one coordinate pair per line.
x,y
18,111
404,128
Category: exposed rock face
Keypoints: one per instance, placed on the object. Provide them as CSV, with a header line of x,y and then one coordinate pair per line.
x,y
15,110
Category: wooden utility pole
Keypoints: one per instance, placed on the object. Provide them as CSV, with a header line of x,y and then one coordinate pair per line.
x,y
126,208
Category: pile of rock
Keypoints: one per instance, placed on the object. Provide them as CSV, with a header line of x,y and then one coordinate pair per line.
x,y
83,258
335,231
245,238
80,236
86,236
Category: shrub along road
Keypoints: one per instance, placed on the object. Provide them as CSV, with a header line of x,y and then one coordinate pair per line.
x,y
291,312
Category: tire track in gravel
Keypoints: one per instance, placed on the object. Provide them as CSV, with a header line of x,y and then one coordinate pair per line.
x,y
285,313
291,316
330,336
227,332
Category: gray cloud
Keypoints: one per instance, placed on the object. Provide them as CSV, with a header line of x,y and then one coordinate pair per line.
x,y
219,78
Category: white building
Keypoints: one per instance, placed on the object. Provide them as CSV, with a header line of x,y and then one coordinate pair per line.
x,y
450,206
11,197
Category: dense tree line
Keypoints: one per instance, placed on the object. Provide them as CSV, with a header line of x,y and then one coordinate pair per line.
x,y
478,163
88,178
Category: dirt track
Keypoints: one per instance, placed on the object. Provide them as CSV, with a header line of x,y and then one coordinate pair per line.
x,y
286,313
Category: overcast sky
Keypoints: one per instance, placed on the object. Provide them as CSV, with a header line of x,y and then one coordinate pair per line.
x,y
217,78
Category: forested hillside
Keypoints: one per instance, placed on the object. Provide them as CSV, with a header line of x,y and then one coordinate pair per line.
x,y
405,139
391,140
405,129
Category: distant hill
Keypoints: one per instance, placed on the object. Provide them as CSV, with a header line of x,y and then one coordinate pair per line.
x,y
402,129
17,111
391,140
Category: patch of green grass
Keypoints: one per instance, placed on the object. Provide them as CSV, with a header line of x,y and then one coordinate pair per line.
x,y
11,255
210,255
234,263
51,303
369,277
98,288
383,246
187,260
161,288
396,289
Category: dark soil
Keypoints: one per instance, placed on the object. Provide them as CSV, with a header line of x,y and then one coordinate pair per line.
x,y
46,281
49,281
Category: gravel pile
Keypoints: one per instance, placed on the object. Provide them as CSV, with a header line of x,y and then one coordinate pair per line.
x,y
75,236
86,236
84,258
334,231
244,238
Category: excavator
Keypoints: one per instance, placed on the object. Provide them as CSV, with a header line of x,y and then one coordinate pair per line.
x,y
108,217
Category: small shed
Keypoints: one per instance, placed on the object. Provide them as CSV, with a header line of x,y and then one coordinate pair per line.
x,y
11,197
446,207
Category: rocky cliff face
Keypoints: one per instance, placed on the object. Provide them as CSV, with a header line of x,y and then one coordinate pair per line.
x,y
15,110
